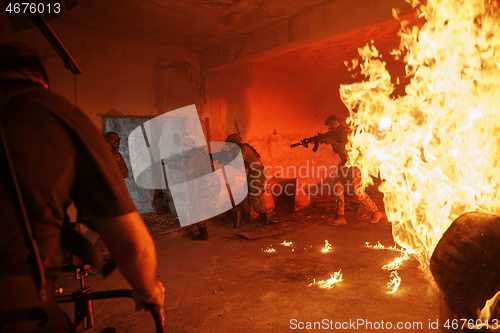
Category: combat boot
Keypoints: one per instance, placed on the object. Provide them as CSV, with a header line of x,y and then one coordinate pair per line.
x,y
263,218
376,216
202,234
246,219
340,220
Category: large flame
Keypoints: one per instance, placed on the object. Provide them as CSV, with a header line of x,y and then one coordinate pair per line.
x,y
435,148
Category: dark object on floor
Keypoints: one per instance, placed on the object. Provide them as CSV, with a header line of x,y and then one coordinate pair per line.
x,y
109,330
466,263
202,234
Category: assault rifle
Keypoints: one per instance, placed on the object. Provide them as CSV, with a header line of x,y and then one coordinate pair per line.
x,y
313,139
225,156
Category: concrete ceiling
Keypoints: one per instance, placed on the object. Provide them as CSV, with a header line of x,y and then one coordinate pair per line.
x,y
299,35
191,24
330,54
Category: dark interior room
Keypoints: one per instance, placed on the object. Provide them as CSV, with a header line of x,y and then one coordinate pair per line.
x,y
410,243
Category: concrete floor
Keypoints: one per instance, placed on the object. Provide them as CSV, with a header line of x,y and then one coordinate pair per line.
x,y
228,284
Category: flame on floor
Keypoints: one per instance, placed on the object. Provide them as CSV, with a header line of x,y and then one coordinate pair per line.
x,y
393,284
327,247
379,246
328,283
269,249
393,266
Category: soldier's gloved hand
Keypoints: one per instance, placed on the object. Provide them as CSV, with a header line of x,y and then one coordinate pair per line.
x,y
157,298
326,140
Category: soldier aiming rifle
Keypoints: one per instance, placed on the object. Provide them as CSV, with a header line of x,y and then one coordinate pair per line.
x,y
316,140
337,138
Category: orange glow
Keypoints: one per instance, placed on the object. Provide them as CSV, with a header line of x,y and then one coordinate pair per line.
x,y
394,283
269,249
379,246
329,283
393,266
396,263
435,148
327,247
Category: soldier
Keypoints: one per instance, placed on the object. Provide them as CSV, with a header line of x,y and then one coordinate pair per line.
x,y
337,137
256,179
113,141
195,163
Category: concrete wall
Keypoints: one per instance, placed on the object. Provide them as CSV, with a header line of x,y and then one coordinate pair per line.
x,y
129,77
118,73
272,109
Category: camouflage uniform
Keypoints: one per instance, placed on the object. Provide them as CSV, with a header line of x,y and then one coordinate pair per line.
x,y
196,164
256,176
113,141
353,176
337,137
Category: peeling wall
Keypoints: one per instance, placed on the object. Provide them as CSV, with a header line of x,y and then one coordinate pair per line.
x,y
273,109
121,77
131,76
270,108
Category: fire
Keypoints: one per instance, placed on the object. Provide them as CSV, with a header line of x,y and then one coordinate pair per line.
x,y
436,147
396,263
393,266
327,247
393,284
329,283
379,246
285,243
269,249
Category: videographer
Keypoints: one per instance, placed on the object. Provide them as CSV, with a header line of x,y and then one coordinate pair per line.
x,y
58,157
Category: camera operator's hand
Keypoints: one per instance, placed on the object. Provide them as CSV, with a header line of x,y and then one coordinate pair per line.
x,y
157,299
131,245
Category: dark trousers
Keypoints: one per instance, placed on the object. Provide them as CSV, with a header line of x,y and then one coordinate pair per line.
x,y
22,311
